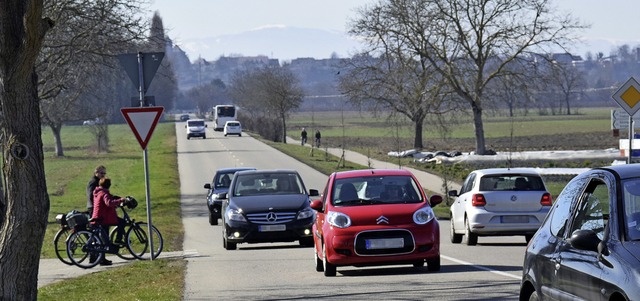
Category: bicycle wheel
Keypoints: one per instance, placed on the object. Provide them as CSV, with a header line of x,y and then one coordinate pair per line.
x,y
138,242
123,252
60,245
77,249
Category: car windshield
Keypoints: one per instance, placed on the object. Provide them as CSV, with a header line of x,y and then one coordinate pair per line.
x,y
375,190
223,180
632,208
196,123
268,183
511,182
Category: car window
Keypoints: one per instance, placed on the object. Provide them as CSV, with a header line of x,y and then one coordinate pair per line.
x,y
223,180
631,194
375,190
268,183
468,183
511,182
195,123
593,210
561,212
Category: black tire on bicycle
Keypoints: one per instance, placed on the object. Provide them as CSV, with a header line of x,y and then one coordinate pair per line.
x,y
138,241
123,252
60,245
77,249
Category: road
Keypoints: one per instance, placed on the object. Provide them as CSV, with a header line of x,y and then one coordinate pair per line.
x,y
285,271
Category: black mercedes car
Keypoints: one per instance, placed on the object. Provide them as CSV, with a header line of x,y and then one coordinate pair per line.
x,y
588,247
267,206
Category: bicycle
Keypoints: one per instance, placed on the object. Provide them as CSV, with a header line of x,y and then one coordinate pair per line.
x,y
81,244
136,238
65,231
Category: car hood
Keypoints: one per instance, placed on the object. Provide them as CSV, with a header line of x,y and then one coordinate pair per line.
x,y
262,203
395,214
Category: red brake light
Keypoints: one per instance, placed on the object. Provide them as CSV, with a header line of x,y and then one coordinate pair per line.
x,y
478,200
546,199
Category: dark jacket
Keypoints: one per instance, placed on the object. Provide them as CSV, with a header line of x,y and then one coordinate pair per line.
x,y
91,186
104,207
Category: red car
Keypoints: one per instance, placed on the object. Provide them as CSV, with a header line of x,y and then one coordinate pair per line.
x,y
375,217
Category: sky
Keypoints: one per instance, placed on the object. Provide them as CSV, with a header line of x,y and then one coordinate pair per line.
x,y
186,20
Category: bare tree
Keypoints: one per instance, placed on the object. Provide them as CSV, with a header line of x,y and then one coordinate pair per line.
x,y
272,90
568,81
469,42
24,205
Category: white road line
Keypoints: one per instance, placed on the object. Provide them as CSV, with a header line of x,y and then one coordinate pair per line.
x,y
480,267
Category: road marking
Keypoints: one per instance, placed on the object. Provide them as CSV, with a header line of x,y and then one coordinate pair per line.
x,y
481,267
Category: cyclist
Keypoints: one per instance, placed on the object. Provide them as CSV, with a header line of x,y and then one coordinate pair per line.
x,y
104,213
98,174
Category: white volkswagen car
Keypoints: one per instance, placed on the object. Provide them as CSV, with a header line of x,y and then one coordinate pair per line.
x,y
232,128
499,201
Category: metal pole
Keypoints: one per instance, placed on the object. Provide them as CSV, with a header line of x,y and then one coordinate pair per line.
x,y
146,161
630,139
141,78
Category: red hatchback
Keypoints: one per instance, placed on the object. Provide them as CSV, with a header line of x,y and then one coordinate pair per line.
x,y
375,217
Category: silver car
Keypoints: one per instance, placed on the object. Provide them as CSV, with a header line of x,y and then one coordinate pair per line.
x,y
499,201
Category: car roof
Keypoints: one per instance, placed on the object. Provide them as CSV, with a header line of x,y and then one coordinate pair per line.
x,y
370,172
233,169
497,171
232,121
267,171
625,171
196,119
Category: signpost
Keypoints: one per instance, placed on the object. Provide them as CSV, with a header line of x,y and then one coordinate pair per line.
x,y
141,68
628,98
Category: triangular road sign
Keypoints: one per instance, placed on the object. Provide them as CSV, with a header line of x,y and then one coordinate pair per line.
x,y
142,122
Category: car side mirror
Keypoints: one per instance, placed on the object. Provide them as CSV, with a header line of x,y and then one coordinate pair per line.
x,y
435,200
453,193
316,205
223,195
585,240
314,192
207,186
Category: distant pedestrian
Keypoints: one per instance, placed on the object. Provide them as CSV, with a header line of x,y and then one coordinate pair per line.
x,y
303,136
318,136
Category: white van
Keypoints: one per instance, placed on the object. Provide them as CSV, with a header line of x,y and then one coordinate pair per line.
x,y
196,128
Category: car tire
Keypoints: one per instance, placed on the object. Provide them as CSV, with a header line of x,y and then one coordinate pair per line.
x,y
188,137
433,265
329,268
534,296
418,264
319,264
472,238
204,137
528,237
455,238
213,220
239,135
306,241
228,245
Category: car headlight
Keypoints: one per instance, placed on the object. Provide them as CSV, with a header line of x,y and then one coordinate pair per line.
x,y
338,219
306,213
235,215
423,216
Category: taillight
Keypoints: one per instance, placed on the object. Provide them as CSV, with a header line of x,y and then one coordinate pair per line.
x,y
546,199
478,200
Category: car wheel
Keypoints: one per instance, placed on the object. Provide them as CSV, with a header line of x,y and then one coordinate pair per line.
x,y
204,137
528,237
228,245
188,137
239,135
329,269
534,297
213,220
455,238
433,265
472,238
319,265
225,135
306,241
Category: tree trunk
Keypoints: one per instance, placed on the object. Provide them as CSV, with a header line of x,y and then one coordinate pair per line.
x,y
25,205
283,118
479,128
419,123
55,129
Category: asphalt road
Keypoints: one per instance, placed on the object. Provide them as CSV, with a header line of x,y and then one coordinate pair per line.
x,y
285,271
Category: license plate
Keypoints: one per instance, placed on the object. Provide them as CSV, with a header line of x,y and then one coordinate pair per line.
x,y
272,228
514,219
384,243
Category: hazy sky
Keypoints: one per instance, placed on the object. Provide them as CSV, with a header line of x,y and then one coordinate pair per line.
x,y
195,19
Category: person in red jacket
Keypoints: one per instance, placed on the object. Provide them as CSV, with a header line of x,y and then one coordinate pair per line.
x,y
104,211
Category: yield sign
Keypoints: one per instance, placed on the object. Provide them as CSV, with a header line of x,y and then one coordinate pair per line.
x,y
142,122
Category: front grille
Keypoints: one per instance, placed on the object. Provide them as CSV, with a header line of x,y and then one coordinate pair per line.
x,y
362,237
271,218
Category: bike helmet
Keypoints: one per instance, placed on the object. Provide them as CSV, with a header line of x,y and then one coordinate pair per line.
x,y
130,202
